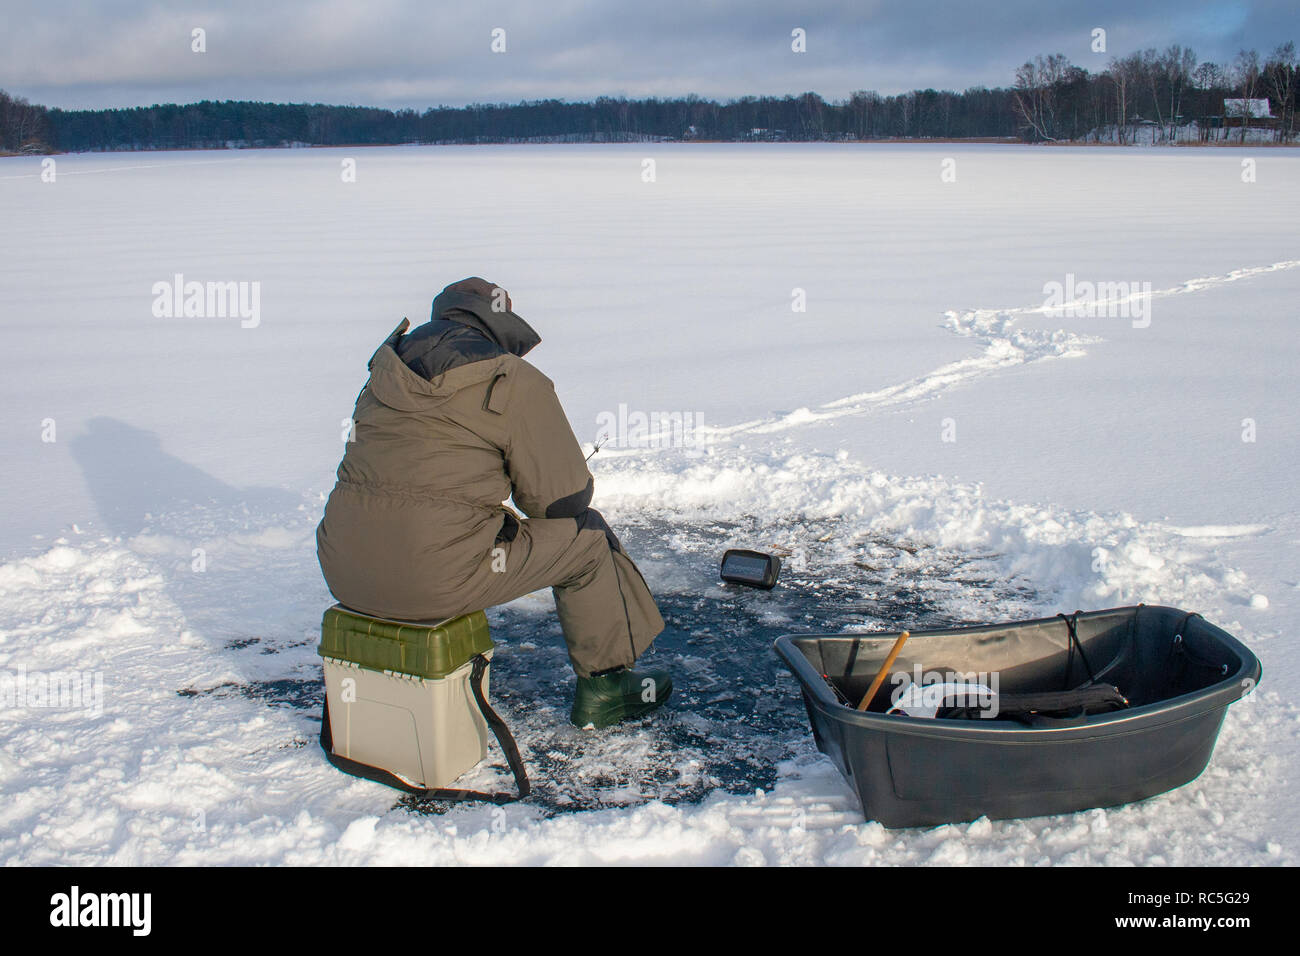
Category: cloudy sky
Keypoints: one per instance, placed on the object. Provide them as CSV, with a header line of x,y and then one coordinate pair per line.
x,y
419,53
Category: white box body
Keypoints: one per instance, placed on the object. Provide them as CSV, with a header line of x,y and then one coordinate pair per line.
x,y
426,731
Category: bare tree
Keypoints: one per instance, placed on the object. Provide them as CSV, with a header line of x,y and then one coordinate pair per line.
x,y
1153,71
1246,73
1177,64
864,104
907,107
1281,70
1208,76
1035,93
1124,74
22,124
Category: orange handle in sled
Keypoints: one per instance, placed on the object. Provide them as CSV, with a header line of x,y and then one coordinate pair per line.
x,y
884,669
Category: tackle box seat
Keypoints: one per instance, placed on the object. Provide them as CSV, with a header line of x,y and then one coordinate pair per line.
x,y
399,693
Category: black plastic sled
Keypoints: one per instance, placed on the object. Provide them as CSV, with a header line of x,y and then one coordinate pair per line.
x,y
1095,709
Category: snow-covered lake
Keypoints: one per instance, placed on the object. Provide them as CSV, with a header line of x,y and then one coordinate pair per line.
x,y
865,338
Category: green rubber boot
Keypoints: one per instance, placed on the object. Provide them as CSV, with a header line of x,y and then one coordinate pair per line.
x,y
622,695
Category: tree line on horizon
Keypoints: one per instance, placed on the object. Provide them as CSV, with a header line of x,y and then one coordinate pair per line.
x,y
1052,100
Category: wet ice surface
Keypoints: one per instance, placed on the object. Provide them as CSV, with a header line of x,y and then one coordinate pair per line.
x,y
735,712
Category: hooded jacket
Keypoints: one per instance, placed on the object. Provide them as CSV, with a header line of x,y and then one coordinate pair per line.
x,y
451,423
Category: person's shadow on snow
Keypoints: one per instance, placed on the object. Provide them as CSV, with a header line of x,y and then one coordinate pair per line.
x,y
135,483
236,562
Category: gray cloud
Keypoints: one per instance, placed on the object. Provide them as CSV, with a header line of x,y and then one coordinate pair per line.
x,y
399,53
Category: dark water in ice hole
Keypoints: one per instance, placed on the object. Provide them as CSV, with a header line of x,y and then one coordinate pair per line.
x,y
735,711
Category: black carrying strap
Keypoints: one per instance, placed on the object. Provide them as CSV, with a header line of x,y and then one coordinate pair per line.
x,y
1088,699
1179,656
1072,628
499,730
1082,701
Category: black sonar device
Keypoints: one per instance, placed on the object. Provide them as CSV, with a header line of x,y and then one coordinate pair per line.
x,y
752,568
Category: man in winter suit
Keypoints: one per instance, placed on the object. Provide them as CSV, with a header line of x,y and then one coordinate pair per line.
x,y
451,423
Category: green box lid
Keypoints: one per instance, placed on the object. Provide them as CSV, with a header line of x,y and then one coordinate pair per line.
x,y
422,650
